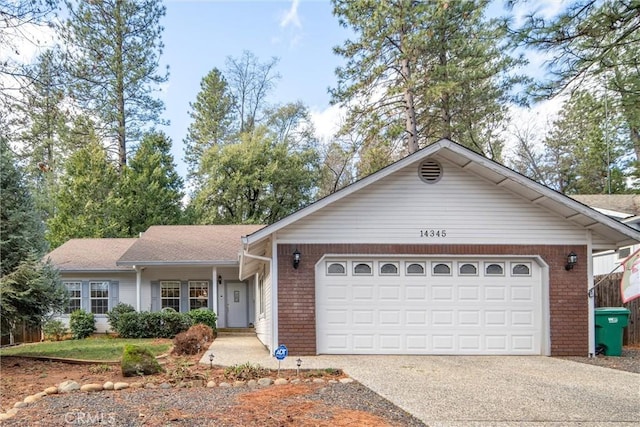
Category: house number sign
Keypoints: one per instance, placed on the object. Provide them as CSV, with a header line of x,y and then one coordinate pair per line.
x,y
433,233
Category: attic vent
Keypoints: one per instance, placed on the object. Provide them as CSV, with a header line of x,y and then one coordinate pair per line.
x,y
430,171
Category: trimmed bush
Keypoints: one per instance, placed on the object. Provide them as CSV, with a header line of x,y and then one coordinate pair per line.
x,y
192,341
162,324
114,314
82,324
204,316
138,360
54,330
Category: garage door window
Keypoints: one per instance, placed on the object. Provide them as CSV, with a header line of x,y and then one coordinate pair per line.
x,y
468,269
494,269
442,269
415,269
336,269
362,269
388,269
520,269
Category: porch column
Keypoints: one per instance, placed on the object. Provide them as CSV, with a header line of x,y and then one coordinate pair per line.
x,y
138,287
214,290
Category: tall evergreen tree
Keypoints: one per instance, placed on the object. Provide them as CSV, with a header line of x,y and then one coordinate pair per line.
x,y
150,188
86,197
420,71
113,61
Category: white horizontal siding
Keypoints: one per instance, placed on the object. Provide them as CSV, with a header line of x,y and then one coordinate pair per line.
x,y
397,208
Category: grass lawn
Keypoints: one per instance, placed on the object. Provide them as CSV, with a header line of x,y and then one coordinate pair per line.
x,y
94,348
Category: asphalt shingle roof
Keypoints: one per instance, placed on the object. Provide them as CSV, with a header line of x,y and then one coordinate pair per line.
x,y
626,203
90,254
183,244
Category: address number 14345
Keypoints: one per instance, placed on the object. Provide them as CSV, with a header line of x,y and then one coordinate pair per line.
x,y
433,233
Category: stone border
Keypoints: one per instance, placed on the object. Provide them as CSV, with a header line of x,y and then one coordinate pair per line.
x,y
71,386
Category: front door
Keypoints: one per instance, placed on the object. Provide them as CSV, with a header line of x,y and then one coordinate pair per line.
x,y
237,305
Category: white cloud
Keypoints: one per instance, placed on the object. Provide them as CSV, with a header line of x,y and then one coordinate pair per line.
x,y
291,17
327,122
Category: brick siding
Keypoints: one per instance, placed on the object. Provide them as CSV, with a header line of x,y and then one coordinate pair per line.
x,y
567,289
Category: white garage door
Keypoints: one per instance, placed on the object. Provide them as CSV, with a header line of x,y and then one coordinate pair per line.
x,y
429,306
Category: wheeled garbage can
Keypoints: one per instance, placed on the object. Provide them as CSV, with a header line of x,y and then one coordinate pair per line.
x,y
610,323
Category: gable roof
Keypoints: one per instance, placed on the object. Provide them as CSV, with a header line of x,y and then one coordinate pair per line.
x,y
517,184
187,244
623,203
90,255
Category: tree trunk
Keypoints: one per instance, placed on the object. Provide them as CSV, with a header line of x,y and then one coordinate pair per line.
x,y
119,64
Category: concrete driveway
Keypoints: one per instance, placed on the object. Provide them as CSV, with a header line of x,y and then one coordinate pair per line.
x,y
474,390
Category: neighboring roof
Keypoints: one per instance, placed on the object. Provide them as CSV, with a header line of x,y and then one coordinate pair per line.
x,y
188,244
626,203
489,170
90,255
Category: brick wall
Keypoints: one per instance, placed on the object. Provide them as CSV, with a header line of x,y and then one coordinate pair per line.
x,y
567,289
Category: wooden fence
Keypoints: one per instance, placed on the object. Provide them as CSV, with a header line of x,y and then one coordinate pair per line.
x,y
22,334
608,295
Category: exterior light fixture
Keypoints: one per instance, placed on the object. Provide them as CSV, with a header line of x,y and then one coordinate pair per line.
x,y
211,356
219,280
572,259
298,363
296,258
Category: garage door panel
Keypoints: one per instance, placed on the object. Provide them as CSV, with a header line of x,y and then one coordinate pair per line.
x,y
427,314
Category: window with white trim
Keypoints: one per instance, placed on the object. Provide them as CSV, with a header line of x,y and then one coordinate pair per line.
x,y
442,269
521,269
494,269
362,269
415,269
170,294
336,269
75,296
624,252
261,293
99,293
388,268
198,294
468,269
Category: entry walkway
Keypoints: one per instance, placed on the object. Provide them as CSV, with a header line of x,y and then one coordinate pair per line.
x,y
472,390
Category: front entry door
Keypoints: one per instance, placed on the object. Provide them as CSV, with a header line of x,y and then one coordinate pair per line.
x,y
237,305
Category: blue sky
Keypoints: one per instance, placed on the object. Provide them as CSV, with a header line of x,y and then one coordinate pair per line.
x,y
200,35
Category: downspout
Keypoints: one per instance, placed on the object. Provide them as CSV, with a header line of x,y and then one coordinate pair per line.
x,y
274,294
138,286
591,296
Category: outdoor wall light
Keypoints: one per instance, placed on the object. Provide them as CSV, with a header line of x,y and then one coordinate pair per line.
x,y
572,259
296,258
219,280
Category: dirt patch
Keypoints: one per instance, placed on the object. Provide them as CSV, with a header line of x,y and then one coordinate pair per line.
x,y
629,361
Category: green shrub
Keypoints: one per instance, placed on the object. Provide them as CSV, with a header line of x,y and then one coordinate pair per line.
x,y
54,330
137,360
204,316
163,324
245,372
114,314
82,324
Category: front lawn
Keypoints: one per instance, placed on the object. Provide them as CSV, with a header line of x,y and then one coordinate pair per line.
x,y
102,348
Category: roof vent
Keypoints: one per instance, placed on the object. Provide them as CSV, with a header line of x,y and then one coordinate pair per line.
x,y
430,171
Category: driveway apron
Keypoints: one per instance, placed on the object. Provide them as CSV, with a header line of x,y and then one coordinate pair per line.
x,y
473,390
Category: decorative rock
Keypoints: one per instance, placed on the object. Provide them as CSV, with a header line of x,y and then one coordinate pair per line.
x,y
150,385
32,398
51,390
91,387
165,386
265,381
296,381
6,415
281,381
252,383
225,385
238,383
68,386
108,385
211,384
318,381
120,386
136,384
346,380
20,405
332,382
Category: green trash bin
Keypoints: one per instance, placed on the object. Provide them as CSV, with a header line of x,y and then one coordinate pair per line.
x,y
610,322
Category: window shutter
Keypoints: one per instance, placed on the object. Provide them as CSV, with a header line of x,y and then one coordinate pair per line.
x,y
85,302
155,296
184,297
212,295
114,297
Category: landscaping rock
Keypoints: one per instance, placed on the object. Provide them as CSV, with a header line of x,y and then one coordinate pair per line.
x,y
32,398
19,405
318,381
296,381
252,383
346,380
211,384
91,387
150,386
108,385
68,386
51,390
225,385
280,381
265,381
138,360
120,386
136,384
238,383
9,414
165,386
